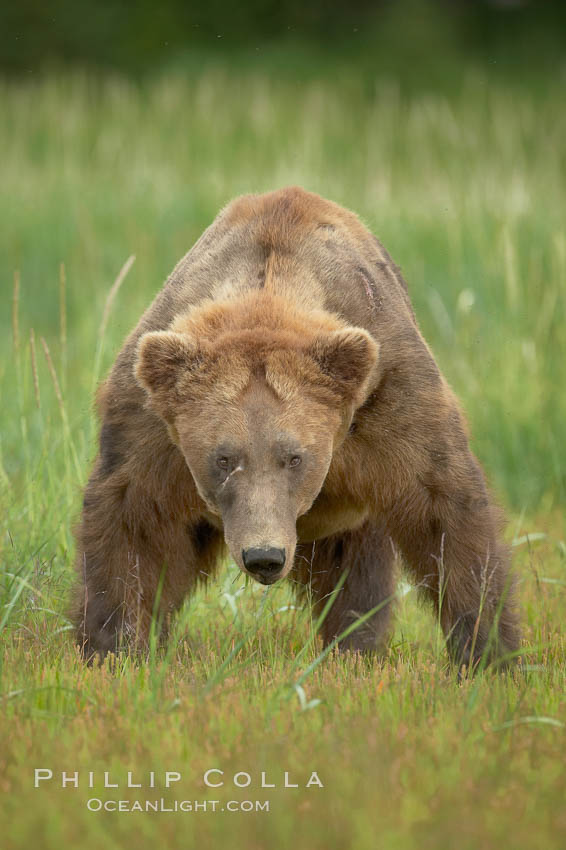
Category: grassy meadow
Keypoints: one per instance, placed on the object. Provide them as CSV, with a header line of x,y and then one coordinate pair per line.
x,y
466,188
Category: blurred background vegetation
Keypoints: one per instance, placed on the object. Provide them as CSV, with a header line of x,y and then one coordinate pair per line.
x,y
406,37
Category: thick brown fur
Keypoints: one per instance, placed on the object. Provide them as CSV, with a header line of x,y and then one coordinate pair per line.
x,y
289,316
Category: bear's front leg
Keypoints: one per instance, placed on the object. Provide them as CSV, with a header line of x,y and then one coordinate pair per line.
x,y
426,484
118,573
449,532
135,566
367,556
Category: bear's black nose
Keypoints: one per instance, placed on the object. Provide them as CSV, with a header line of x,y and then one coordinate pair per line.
x,y
264,564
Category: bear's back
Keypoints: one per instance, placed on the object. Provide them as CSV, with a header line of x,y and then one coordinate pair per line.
x,y
293,243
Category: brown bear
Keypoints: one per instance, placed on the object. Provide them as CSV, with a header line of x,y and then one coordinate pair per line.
x,y
278,399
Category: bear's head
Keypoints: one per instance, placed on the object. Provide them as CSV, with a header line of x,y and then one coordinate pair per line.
x,y
257,396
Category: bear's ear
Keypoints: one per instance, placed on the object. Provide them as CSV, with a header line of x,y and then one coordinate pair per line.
x,y
348,357
161,357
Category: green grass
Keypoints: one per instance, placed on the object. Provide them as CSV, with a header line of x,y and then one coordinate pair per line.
x,y
467,193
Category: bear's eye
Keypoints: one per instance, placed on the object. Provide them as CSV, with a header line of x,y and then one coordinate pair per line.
x,y
296,460
223,462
